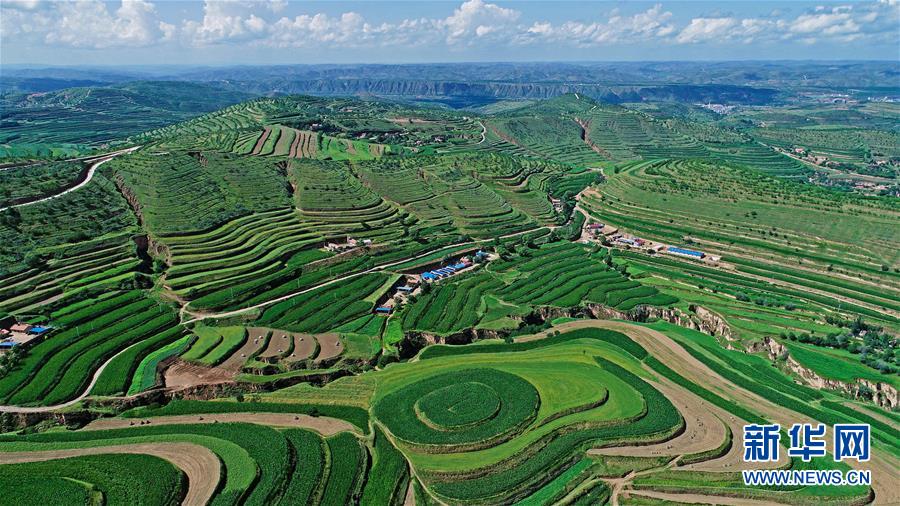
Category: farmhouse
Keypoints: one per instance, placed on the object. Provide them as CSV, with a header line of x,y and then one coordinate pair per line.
x,y
337,247
672,250
443,272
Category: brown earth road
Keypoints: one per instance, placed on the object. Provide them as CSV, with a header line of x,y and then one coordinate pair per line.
x,y
76,400
703,429
885,468
198,463
873,414
698,498
324,425
378,268
262,140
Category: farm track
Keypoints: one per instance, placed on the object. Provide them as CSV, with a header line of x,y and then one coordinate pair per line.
x,y
76,400
89,175
724,250
201,466
322,424
46,409
197,316
698,498
883,467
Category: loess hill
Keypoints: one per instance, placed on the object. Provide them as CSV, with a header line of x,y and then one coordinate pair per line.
x,y
302,300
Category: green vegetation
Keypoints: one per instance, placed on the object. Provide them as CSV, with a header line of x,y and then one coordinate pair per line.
x,y
246,249
116,479
215,344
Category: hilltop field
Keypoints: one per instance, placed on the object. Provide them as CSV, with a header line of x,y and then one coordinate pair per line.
x,y
299,300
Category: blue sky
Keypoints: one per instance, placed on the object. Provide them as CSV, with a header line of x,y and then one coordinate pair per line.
x,y
219,32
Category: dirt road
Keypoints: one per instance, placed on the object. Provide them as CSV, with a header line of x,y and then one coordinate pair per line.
x,y
87,179
884,467
200,316
322,424
198,463
45,409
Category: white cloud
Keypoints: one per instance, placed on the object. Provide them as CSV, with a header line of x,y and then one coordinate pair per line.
x,y
829,24
223,21
475,17
841,23
90,24
702,29
131,23
652,23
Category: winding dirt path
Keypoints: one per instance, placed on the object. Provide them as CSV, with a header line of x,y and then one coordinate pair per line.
x,y
197,316
483,133
703,429
45,409
87,179
201,466
324,425
885,468
698,498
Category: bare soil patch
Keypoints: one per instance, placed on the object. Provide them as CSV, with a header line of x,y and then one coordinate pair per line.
x,y
329,346
183,374
298,136
262,140
280,343
324,425
703,429
236,361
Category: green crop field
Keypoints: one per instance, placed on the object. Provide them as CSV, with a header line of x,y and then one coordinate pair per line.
x,y
326,300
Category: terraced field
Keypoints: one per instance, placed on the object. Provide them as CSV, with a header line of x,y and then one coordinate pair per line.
x,y
557,275
235,312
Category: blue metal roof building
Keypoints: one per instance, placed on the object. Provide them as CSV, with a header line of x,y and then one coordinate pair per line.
x,y
687,252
